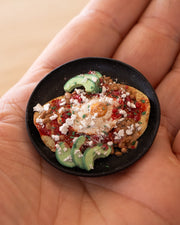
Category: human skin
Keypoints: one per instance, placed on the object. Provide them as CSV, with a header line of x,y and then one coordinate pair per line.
x,y
144,34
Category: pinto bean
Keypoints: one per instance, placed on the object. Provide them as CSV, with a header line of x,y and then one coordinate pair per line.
x,y
67,95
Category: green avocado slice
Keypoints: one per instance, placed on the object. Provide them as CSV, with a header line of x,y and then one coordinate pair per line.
x,y
76,154
63,155
89,81
98,74
93,153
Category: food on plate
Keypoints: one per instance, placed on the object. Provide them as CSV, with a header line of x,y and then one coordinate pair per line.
x,y
95,117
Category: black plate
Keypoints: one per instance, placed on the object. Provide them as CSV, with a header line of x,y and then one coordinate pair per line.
x,y
51,86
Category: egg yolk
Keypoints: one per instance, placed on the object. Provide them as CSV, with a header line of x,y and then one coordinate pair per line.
x,y
99,108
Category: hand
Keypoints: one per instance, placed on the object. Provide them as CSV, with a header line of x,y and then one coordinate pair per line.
x,y
144,34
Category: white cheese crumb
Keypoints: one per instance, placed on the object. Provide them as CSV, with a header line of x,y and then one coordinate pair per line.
x,y
98,152
75,109
84,99
110,143
94,79
69,121
55,137
74,139
63,102
131,105
137,126
123,112
39,121
109,100
46,107
120,134
61,110
78,152
90,143
130,129
129,132
78,91
38,108
73,117
103,134
105,152
103,89
74,101
58,148
69,159
53,117
64,128
123,95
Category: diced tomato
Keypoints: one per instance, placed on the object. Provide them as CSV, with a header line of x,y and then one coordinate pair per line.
x,y
138,104
115,93
130,115
55,103
121,102
137,117
75,96
115,110
115,113
128,99
44,131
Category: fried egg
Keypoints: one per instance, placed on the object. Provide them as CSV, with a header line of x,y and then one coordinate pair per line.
x,y
94,116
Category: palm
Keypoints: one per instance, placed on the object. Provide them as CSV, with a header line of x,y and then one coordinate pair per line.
x,y
147,193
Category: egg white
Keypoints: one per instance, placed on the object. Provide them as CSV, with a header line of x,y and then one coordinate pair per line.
x,y
89,123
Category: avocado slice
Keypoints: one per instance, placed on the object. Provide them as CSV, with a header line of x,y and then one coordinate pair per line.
x,y
93,153
93,77
98,74
76,154
89,81
63,155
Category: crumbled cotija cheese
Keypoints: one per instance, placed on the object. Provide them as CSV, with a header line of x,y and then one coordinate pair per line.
x,y
53,117
38,108
55,137
64,128
39,121
46,107
63,102
69,158
120,134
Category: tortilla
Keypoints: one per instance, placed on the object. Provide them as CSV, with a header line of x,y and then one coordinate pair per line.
x,y
129,113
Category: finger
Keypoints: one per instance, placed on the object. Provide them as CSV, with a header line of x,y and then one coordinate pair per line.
x,y
168,93
176,145
97,31
159,153
152,45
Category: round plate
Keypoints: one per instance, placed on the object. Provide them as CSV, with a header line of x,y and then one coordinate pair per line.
x,y
51,86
